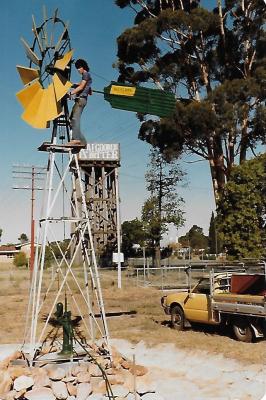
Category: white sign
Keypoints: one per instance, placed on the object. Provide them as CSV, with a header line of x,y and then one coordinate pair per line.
x,y
100,151
117,259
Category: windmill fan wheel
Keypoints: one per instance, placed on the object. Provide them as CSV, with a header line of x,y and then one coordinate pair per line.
x,y
47,79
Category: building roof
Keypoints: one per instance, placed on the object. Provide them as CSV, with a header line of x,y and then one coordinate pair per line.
x,y
7,249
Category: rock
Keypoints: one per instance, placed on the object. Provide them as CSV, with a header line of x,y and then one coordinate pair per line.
x,y
71,398
131,396
97,396
59,389
6,381
40,394
98,385
152,396
41,381
72,389
56,374
23,382
119,391
138,370
69,379
111,371
83,391
145,385
41,378
20,393
116,379
5,363
49,349
83,377
9,395
94,370
128,379
126,364
17,370
103,362
77,369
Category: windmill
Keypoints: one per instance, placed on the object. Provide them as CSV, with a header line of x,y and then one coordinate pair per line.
x,y
46,80
64,210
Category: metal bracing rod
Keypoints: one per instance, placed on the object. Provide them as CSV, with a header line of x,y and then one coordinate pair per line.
x,y
65,190
84,267
119,278
59,269
59,292
91,315
101,304
69,266
36,305
59,186
37,260
33,279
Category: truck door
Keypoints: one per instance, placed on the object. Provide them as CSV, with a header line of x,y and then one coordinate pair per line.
x,y
197,304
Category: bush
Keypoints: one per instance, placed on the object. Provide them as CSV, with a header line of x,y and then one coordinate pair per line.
x,y
20,259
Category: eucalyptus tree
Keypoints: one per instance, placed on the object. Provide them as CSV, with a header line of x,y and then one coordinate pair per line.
x,y
241,213
214,62
164,205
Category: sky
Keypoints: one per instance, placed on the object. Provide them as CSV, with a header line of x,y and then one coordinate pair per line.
x,y
94,27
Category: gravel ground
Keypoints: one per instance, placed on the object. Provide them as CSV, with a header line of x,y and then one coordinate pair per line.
x,y
177,374
195,375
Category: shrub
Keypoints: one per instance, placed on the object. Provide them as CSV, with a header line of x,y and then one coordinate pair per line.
x,y
20,259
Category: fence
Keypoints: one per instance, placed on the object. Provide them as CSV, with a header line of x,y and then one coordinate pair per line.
x,y
181,277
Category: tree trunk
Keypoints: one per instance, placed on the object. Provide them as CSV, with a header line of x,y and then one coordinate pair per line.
x,y
157,255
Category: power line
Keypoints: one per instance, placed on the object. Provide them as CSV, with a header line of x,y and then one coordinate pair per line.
x,y
29,172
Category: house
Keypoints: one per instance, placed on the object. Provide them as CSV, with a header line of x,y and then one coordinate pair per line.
x,y
7,253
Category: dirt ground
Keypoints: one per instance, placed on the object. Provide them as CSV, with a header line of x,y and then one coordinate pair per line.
x,y
147,322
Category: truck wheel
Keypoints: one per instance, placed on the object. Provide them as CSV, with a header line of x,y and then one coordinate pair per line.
x,y
177,318
242,330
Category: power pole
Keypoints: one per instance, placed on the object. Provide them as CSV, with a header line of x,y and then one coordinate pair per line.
x,y
21,174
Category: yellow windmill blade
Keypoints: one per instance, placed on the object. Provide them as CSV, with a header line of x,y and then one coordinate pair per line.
x,y
61,85
48,83
34,112
26,95
54,107
42,108
64,61
30,54
27,74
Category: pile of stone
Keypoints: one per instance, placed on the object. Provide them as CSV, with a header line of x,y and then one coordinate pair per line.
x,y
81,380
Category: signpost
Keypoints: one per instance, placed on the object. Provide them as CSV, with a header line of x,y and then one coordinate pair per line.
x,y
140,99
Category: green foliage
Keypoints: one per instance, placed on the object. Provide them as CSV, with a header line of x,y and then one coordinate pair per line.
x,y
53,252
20,259
194,238
164,206
242,210
214,62
23,238
214,241
132,233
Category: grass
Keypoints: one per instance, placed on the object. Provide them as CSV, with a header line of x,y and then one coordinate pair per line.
x,y
149,323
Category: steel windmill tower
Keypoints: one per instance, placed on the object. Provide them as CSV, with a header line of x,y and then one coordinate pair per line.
x,y
64,210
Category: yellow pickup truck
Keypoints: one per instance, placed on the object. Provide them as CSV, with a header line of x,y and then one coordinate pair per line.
x,y
235,300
